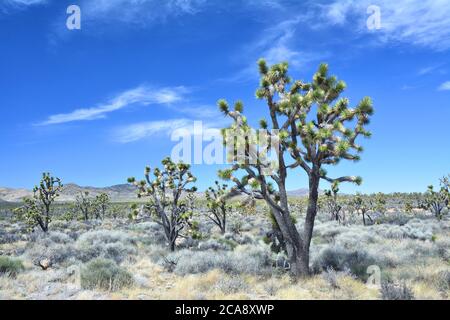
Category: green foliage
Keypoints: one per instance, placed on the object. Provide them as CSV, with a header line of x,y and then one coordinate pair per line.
x,y
104,274
378,203
165,190
333,203
438,201
36,211
312,128
85,205
10,267
218,208
101,205
361,205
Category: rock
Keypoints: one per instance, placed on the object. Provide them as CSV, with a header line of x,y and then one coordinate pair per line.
x,y
45,264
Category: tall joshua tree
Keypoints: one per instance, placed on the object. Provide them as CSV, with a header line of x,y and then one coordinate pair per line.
x,y
315,128
37,210
165,191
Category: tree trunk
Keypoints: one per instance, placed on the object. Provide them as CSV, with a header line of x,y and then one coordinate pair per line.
x,y
314,180
298,258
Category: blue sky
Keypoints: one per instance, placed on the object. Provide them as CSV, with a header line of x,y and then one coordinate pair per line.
x,y
94,106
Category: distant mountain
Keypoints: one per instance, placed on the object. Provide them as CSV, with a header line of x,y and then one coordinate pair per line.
x,y
117,193
303,192
14,195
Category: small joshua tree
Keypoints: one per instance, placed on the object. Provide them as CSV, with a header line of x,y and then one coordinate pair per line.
x,y
165,191
37,210
437,201
101,204
314,128
361,206
218,208
378,203
84,205
333,203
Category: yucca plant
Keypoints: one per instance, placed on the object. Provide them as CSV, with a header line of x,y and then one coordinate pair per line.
x,y
165,190
312,127
218,208
36,210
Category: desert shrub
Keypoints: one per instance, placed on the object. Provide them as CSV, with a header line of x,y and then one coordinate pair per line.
x,y
59,225
272,286
392,291
107,244
245,259
55,253
331,277
252,259
10,267
55,246
414,229
213,244
149,233
355,236
443,249
148,226
104,274
59,237
231,285
236,226
192,262
7,236
396,218
355,261
442,281
327,230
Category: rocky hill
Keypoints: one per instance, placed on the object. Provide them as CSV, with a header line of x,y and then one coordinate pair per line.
x,y
117,193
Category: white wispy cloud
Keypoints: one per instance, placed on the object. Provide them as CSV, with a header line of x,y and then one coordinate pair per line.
x,y
142,95
445,86
424,23
24,2
10,6
143,130
277,44
138,12
139,131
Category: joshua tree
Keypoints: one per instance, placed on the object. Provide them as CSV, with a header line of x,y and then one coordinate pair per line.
x,y
101,204
437,201
361,206
37,210
333,203
165,191
313,129
378,203
217,205
84,205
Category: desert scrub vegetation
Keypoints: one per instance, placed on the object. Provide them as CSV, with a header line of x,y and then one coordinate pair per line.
x,y
10,266
104,274
248,238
